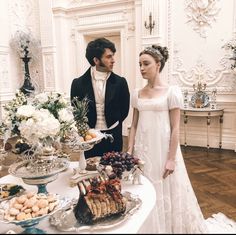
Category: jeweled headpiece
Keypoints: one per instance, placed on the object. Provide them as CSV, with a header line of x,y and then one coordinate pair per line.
x,y
154,52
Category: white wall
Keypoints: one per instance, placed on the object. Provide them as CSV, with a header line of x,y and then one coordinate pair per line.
x,y
65,26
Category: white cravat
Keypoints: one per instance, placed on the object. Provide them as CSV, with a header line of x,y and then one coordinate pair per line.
x,y
99,79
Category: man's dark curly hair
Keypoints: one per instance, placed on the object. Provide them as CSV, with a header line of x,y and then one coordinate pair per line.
x,y
97,47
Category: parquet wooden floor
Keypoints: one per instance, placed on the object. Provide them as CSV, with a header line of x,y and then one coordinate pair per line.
x,y
213,177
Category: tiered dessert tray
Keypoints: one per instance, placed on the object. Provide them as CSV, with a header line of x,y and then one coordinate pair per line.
x,y
40,175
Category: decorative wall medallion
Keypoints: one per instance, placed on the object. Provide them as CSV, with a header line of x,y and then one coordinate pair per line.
x,y
201,14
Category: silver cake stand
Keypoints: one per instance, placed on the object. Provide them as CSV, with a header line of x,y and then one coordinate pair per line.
x,y
39,172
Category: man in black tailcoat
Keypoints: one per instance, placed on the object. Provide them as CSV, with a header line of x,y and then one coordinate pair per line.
x,y
108,94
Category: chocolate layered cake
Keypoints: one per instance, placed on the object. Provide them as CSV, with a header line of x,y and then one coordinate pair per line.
x,y
99,199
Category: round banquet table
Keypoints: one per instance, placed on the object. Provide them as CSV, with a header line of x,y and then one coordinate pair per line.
x,y
61,186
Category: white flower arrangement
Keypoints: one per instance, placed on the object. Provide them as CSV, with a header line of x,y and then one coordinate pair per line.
x,y
25,45
45,116
37,126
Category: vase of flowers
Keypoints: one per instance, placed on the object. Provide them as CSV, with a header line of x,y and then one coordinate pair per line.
x,y
40,121
27,48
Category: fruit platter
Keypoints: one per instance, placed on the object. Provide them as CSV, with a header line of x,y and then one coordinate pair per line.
x,y
8,191
121,165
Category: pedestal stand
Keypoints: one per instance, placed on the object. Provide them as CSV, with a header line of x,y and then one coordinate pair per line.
x,y
76,145
27,87
81,170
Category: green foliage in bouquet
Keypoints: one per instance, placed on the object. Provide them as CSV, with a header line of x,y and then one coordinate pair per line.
x,y
11,108
54,103
3,128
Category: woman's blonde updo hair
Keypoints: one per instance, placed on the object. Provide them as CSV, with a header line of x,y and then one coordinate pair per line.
x,y
159,53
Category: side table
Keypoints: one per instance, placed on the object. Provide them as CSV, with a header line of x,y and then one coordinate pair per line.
x,y
208,114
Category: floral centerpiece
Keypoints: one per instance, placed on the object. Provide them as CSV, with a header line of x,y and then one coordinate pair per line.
x,y
231,45
40,120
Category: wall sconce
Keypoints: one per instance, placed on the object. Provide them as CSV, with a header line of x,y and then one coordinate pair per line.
x,y
151,24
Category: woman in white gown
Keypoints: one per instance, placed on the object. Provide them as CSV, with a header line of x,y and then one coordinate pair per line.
x,y
154,137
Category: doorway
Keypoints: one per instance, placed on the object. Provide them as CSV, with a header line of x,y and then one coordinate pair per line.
x,y
115,38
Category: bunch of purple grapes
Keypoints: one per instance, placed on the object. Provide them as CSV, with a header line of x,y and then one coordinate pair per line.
x,y
120,162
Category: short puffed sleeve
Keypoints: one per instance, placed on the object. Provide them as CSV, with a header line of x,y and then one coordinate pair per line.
x,y
175,98
134,98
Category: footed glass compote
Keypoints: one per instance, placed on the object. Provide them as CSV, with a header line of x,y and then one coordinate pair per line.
x,y
29,224
77,144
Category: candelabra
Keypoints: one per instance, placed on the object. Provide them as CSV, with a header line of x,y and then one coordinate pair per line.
x,y
185,98
213,98
151,23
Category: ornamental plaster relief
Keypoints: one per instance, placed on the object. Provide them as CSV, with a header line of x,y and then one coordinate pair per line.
x,y
201,14
220,77
24,16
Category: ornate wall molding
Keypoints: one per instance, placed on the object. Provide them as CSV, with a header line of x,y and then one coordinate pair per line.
x,y
220,78
100,18
49,82
75,3
201,14
4,72
24,16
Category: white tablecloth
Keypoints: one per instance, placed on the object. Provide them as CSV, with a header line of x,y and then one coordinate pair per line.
x,y
146,193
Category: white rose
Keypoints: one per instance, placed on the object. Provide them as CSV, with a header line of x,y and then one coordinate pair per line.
x,y
42,97
41,114
66,115
49,127
25,111
27,129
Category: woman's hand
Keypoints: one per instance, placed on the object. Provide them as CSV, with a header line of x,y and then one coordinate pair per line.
x,y
169,168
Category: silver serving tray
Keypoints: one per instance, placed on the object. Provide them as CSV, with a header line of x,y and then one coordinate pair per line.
x,y
62,201
65,221
20,169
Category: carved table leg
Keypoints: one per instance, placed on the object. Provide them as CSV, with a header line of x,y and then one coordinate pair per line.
x,y
185,126
208,126
221,124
